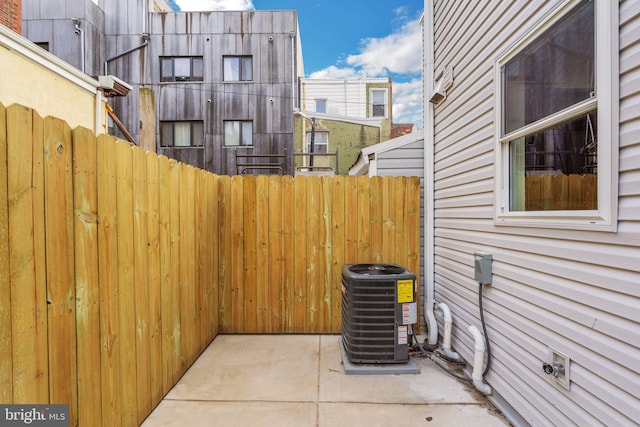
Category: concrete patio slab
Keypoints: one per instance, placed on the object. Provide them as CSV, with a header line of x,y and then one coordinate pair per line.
x,y
299,380
280,368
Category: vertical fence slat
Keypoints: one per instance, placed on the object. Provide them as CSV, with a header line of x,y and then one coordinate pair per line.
x,y
126,281
300,222
338,215
187,266
153,256
274,244
85,203
261,243
375,215
141,283
39,220
252,313
364,219
173,289
167,298
6,348
400,208
26,264
237,249
215,254
351,220
201,300
224,244
288,252
314,245
60,269
388,227
111,363
325,291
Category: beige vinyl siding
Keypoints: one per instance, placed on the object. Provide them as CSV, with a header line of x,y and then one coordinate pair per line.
x,y
407,160
577,291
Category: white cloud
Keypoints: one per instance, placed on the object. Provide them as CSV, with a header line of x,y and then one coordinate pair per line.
x,y
333,72
407,102
400,55
204,5
400,52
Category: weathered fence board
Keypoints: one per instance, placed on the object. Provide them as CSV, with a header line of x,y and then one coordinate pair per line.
x,y
6,357
111,365
118,267
85,227
25,182
141,280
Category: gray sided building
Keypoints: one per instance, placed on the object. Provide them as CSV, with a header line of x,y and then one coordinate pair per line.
x,y
206,85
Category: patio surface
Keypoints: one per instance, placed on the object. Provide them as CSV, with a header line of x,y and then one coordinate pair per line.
x,y
299,380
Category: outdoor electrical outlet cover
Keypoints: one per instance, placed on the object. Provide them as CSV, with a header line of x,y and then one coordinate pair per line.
x,y
482,267
564,378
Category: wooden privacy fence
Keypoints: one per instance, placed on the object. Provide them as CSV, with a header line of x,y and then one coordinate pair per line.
x,y
283,242
118,267
561,192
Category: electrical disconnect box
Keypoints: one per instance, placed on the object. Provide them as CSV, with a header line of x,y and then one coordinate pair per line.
x,y
482,264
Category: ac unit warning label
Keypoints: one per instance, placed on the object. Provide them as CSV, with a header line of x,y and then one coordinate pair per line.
x,y
405,291
409,313
402,335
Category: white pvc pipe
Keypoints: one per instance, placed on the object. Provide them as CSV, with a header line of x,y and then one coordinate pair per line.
x,y
478,360
429,214
446,338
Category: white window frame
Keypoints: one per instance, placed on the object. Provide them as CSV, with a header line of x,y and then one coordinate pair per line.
x,y
321,140
386,101
321,101
606,101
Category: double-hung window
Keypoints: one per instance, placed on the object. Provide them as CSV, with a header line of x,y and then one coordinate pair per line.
x,y
181,69
378,104
557,121
238,133
320,142
182,134
238,68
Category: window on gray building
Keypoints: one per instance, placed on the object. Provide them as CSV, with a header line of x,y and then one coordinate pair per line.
x,y
182,134
238,133
181,69
238,68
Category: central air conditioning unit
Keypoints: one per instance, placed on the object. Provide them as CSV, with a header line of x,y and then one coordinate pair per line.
x,y
378,307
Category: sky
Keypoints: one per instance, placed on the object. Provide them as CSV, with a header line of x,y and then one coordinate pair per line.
x,y
344,39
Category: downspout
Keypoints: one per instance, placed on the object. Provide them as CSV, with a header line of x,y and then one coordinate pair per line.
x,y
99,117
429,214
145,42
80,32
478,360
293,73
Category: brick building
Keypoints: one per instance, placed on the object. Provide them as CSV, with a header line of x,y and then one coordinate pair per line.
x,y
11,14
